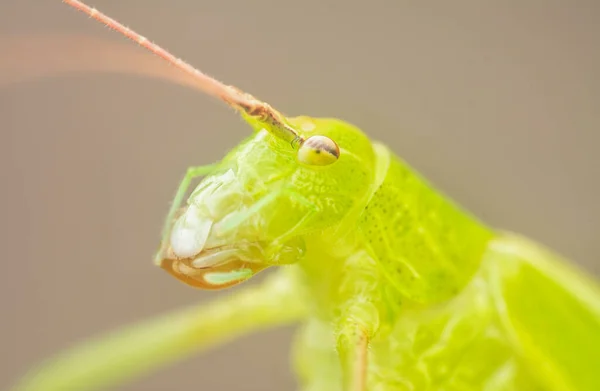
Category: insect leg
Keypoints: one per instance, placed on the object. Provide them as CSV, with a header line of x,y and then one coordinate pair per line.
x,y
139,349
352,345
191,174
358,320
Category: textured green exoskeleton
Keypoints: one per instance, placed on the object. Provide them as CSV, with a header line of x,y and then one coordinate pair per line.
x,y
444,301
397,287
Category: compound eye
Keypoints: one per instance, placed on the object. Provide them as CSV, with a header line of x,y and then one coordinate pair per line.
x,y
318,151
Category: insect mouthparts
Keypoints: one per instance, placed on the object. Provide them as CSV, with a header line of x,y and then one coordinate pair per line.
x,y
190,233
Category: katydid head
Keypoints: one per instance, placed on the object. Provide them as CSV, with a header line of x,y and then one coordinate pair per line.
x,y
259,206
263,201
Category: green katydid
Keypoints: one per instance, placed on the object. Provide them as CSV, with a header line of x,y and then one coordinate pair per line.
x,y
397,287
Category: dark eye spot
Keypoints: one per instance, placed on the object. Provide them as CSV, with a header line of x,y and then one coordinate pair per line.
x,y
318,151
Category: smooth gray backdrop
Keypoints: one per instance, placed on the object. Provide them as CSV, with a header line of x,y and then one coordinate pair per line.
x,y
496,102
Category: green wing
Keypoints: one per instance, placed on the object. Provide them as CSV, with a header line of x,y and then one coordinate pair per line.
x,y
550,312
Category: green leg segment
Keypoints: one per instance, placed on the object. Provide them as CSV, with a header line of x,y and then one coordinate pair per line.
x,y
357,323
139,349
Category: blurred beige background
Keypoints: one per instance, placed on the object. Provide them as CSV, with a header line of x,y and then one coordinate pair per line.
x,y
498,104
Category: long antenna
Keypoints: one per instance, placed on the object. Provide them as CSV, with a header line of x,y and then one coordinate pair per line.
x,y
239,100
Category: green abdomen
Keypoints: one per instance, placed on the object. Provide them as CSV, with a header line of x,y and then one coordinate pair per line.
x,y
427,247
